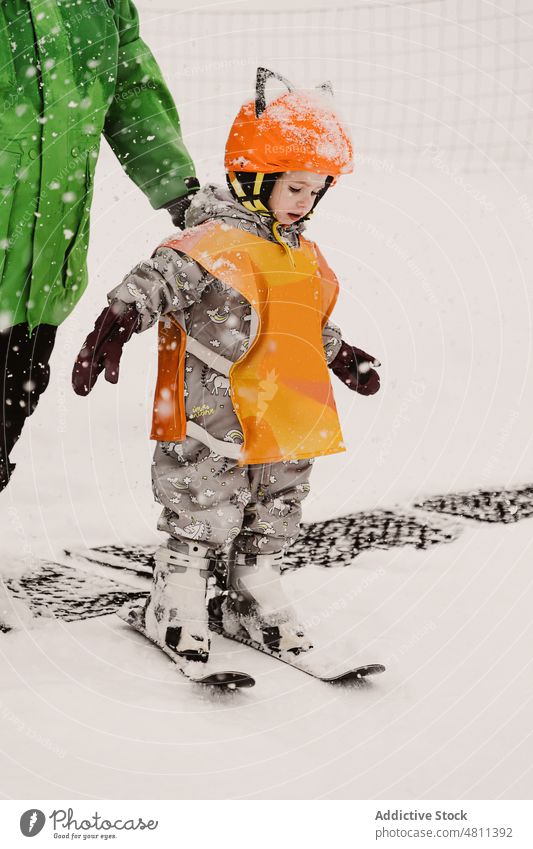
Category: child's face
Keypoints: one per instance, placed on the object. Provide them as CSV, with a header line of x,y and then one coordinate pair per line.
x,y
294,194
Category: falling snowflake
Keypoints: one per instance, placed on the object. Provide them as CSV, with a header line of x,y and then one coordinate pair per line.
x,y
5,320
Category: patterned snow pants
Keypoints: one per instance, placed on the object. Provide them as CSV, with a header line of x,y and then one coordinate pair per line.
x,y
209,498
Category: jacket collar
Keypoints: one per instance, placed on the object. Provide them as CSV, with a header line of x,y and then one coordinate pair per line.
x,y
216,202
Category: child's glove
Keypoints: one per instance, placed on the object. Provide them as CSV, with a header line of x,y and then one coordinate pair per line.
x,y
103,347
179,206
353,367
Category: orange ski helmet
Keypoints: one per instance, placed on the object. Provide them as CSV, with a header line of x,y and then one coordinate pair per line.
x,y
298,131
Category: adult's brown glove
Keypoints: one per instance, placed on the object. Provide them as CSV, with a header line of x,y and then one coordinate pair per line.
x,y
179,206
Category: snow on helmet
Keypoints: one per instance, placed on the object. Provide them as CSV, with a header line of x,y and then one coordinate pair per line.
x,y
298,131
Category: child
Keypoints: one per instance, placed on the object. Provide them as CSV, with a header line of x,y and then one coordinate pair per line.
x,y
243,402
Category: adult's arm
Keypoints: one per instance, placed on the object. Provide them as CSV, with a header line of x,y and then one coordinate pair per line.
x,y
142,123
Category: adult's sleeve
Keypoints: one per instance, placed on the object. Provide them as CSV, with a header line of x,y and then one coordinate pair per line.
x,y
142,123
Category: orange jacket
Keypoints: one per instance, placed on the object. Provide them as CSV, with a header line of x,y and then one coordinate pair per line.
x,y
280,388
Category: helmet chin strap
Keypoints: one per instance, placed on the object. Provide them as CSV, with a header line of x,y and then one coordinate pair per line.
x,y
275,230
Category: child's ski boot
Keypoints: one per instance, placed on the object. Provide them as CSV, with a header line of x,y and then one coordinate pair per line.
x,y
175,614
256,602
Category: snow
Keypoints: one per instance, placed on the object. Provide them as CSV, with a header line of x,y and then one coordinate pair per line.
x,y
310,115
101,713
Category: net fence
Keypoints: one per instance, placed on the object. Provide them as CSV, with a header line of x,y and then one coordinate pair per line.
x,y
414,80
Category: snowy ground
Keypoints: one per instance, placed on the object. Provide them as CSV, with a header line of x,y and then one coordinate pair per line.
x,y
91,710
436,285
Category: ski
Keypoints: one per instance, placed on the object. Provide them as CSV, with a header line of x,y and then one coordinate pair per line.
x,y
354,673
192,670
138,559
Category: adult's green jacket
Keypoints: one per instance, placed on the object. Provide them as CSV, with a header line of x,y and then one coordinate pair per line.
x,y
71,70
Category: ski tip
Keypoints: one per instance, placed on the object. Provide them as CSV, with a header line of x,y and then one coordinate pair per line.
x,y
357,673
371,669
227,680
